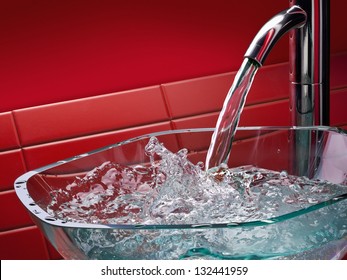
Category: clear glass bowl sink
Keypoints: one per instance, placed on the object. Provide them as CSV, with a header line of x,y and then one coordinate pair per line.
x,y
318,231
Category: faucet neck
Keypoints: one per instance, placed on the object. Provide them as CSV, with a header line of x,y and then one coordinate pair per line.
x,y
309,62
272,31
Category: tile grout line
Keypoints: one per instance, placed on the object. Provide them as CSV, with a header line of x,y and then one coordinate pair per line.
x,y
169,112
166,101
18,138
21,148
101,133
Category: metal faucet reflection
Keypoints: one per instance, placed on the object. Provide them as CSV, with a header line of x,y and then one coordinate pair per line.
x,y
309,64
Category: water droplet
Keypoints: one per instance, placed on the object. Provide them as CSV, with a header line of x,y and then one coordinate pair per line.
x,y
284,174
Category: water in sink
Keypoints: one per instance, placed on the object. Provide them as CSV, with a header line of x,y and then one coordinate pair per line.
x,y
173,191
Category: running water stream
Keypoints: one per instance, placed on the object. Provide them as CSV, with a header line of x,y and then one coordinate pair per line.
x,y
229,116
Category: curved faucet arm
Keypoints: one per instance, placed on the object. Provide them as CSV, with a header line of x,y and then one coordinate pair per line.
x,y
272,31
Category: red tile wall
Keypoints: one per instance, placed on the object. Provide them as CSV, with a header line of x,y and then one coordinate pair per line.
x,y
157,60
160,76
63,120
8,128
36,136
23,244
60,50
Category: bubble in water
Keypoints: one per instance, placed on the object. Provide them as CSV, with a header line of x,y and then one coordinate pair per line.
x,y
283,174
172,190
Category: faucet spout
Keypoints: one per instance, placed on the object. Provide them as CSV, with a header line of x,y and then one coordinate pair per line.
x,y
272,31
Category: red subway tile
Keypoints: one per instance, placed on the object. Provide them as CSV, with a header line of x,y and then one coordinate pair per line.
x,y
90,115
246,151
270,83
207,94
338,69
338,113
23,244
197,96
267,114
14,214
198,121
194,141
11,166
39,155
8,139
196,157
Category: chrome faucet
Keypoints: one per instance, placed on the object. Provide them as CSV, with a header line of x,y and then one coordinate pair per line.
x,y
307,22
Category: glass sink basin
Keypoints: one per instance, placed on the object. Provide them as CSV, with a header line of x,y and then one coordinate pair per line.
x,y
315,231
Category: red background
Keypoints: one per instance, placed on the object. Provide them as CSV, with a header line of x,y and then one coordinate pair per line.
x,y
88,51
60,50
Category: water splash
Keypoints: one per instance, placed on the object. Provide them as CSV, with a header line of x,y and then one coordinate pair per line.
x,y
172,190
